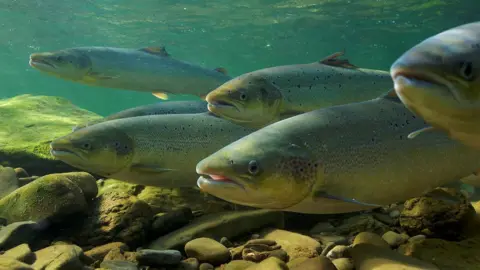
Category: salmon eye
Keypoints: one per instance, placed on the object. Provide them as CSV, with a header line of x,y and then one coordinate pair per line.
x,y
253,167
466,70
243,96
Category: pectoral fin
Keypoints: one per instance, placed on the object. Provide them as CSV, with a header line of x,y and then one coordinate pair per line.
x,y
418,132
92,77
145,168
322,195
161,95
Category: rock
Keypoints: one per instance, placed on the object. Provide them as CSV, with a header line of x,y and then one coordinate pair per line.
x,y
384,218
18,233
113,217
59,257
338,252
220,225
170,199
33,121
118,265
188,264
322,227
296,245
206,266
84,180
107,185
238,265
257,250
335,239
343,264
417,238
224,241
21,173
98,253
371,257
444,254
395,213
164,223
316,263
8,181
271,263
12,264
361,223
21,253
118,254
50,197
207,250
295,262
394,239
443,213
370,238
158,257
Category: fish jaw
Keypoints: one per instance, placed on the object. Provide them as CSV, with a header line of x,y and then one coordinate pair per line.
x,y
66,64
40,62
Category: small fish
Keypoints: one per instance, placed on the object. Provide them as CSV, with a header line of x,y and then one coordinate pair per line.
x,y
154,150
339,159
149,69
170,107
439,80
264,96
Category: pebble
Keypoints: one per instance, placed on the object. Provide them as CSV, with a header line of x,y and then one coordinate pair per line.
x,y
207,250
224,241
394,239
316,263
238,265
21,173
99,253
417,238
158,257
338,252
188,264
206,266
370,238
21,253
18,233
271,263
336,239
59,257
295,244
119,265
7,263
322,227
395,213
164,223
343,264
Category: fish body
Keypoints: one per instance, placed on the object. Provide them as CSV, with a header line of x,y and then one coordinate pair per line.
x,y
439,80
170,107
157,150
268,95
148,69
339,159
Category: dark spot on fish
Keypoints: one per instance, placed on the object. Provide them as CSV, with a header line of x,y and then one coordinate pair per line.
x,y
29,125
310,87
339,85
298,85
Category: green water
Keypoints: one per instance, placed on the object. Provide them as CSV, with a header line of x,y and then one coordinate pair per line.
x,y
239,35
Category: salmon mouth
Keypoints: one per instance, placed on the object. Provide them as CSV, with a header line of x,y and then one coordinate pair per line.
x,y
206,179
424,81
221,104
40,63
59,152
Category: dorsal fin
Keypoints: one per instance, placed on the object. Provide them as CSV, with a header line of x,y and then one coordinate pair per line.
x,y
391,95
332,60
222,70
155,51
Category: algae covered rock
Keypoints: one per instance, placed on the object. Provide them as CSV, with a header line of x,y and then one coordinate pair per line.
x,y
49,197
8,181
443,213
113,216
29,124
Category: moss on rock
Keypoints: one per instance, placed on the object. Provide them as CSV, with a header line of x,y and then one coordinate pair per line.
x,y
29,124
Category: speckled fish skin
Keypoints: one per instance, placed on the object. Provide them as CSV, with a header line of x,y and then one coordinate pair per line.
x,y
338,159
158,150
147,69
268,95
439,80
170,107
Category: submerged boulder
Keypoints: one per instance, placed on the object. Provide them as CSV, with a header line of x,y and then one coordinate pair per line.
x,y
29,124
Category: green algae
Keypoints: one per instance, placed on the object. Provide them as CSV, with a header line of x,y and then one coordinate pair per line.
x,y
29,124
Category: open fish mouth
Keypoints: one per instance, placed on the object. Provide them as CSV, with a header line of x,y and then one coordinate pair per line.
x,y
62,152
39,63
425,80
211,179
221,104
